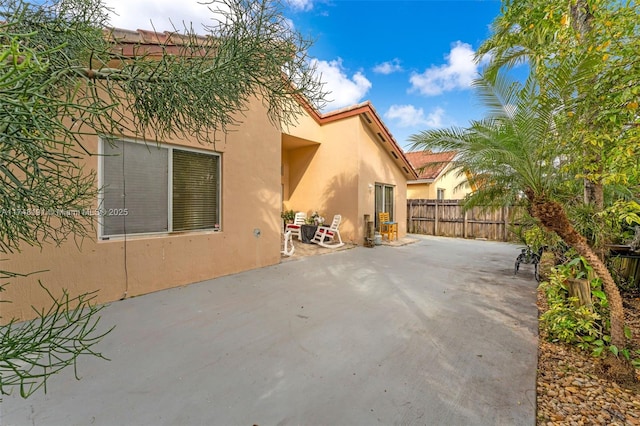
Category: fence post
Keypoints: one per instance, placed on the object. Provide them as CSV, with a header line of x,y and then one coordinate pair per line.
x,y
435,220
505,215
464,225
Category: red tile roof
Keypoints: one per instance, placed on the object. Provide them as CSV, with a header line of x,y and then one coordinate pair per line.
x,y
154,44
429,165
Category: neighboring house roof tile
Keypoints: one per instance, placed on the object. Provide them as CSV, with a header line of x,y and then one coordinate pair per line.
x,y
429,165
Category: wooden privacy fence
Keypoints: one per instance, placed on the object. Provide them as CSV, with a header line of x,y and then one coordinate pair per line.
x,y
445,218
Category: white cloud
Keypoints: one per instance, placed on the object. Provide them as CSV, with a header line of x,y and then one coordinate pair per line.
x,y
410,116
457,73
434,119
288,23
388,67
140,14
303,5
344,91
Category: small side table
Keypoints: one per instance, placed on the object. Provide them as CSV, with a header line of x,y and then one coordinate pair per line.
x,y
307,232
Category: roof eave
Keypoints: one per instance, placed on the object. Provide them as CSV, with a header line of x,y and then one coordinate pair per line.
x,y
372,118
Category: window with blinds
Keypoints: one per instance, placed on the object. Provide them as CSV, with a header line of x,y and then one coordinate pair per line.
x,y
156,189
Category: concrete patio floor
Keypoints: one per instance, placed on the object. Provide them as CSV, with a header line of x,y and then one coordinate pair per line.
x,y
438,332
310,249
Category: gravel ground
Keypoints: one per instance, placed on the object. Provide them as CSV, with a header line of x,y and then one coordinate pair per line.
x,y
571,389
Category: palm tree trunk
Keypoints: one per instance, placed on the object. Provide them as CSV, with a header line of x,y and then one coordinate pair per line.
x,y
553,217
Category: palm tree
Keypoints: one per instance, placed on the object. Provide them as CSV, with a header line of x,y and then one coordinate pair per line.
x,y
516,156
544,34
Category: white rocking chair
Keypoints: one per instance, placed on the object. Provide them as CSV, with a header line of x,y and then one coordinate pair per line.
x,y
325,236
299,220
288,241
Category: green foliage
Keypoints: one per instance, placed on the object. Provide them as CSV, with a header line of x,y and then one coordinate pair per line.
x,y
288,215
570,130
586,221
622,218
535,238
585,327
31,352
565,321
530,233
601,109
43,190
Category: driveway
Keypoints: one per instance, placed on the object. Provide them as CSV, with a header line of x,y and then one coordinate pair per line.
x,y
438,332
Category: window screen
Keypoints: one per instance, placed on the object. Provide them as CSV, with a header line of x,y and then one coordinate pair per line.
x,y
135,196
195,178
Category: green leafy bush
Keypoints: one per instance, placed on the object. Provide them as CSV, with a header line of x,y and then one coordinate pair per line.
x,y
585,327
566,321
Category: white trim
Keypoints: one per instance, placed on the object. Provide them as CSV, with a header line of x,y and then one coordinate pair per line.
x,y
170,190
395,195
101,141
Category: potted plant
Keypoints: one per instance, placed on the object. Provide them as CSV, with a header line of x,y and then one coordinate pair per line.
x,y
288,216
315,219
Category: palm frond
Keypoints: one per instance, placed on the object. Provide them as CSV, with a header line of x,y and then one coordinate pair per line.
x,y
439,139
498,94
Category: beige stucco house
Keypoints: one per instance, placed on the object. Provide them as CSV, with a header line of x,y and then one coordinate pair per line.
x,y
345,162
193,212
156,240
436,178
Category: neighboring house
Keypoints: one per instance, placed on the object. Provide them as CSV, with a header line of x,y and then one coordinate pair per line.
x,y
436,178
345,162
179,212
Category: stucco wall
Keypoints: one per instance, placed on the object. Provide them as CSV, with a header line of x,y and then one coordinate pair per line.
x,y
332,174
323,177
448,180
421,191
250,199
377,166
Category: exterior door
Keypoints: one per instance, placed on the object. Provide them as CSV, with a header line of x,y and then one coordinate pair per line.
x,y
384,202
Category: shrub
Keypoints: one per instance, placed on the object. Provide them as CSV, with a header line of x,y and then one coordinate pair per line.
x,y
583,326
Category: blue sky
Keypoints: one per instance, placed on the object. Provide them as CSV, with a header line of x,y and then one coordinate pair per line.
x,y
411,59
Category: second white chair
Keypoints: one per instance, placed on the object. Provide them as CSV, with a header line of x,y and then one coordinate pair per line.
x,y
298,220
325,236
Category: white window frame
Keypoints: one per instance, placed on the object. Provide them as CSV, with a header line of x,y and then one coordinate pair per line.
x,y
383,187
101,183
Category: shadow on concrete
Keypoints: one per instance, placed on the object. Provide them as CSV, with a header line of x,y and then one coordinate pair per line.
x,y
431,333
